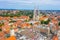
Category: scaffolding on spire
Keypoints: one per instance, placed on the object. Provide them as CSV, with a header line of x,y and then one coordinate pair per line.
x,y
36,12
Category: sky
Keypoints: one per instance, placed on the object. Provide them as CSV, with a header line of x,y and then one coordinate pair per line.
x,y
30,4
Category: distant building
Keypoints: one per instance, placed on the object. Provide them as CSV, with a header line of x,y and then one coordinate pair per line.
x,y
9,11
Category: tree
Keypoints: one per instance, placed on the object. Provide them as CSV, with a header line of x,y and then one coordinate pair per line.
x,y
59,23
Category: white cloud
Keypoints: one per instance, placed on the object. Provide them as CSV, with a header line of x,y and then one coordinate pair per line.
x,y
32,2
15,1
50,2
